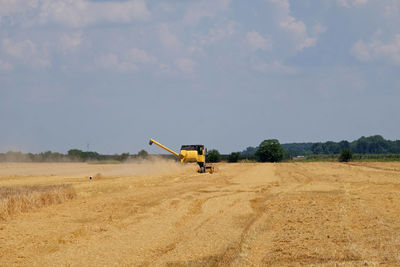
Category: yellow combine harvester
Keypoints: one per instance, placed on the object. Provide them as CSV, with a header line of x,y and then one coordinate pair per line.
x,y
190,153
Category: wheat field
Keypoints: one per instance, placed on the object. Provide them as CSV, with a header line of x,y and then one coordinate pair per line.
x,y
162,213
14,200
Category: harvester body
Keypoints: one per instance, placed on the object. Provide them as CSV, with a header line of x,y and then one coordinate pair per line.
x,y
190,153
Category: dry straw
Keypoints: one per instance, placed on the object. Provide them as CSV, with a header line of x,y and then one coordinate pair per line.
x,y
14,200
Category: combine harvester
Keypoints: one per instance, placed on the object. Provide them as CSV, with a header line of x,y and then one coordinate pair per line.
x,y
190,153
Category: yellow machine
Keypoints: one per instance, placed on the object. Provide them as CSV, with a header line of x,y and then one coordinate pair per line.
x,y
190,153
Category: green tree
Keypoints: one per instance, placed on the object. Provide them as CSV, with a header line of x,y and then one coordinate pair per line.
x,y
143,154
345,155
124,156
90,155
213,156
270,151
75,154
234,157
344,145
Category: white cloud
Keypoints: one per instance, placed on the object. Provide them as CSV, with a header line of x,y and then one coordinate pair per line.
x,y
299,32
318,29
70,41
10,7
26,52
125,62
185,65
5,66
361,51
296,28
256,41
218,33
19,49
350,3
140,56
80,13
392,10
195,49
168,39
377,50
113,62
205,8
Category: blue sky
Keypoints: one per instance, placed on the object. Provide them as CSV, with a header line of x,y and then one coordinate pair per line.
x,y
224,73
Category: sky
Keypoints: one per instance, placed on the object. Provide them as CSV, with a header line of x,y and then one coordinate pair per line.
x,y
110,75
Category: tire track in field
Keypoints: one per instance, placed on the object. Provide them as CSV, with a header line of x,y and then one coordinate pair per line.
x,y
237,253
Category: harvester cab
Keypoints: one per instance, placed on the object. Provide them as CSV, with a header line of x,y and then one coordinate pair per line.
x,y
190,153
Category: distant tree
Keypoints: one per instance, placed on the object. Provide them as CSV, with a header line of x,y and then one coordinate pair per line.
x,y
318,148
143,154
297,148
31,156
213,156
360,145
395,148
345,155
75,154
15,156
309,154
234,157
90,155
270,151
49,156
344,145
332,147
249,151
124,156
290,153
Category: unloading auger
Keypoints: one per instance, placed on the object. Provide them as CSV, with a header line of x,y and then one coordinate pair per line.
x,y
190,153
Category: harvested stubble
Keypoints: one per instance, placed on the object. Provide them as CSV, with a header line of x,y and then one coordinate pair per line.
x,y
14,200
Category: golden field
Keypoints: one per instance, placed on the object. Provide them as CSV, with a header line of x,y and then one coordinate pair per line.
x,y
163,213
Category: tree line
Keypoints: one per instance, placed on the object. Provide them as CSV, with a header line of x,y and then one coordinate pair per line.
x,y
375,144
268,151
365,148
74,155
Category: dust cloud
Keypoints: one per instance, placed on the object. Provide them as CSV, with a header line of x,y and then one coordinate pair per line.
x,y
153,166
